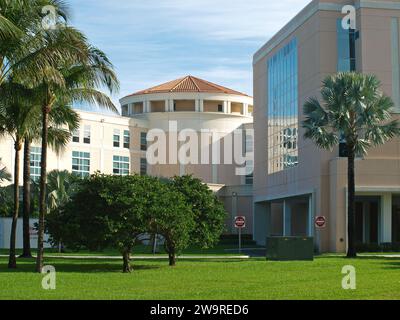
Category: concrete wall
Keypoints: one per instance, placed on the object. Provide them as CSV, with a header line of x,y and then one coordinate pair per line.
x,y
5,230
321,172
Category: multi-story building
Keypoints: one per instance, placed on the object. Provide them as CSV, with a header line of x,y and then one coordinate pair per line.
x,y
119,145
294,181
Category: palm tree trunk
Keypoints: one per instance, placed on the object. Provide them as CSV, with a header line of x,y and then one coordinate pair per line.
x,y
26,253
12,262
42,195
351,252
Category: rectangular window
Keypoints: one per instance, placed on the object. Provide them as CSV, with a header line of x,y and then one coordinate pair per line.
x,y
143,166
346,43
396,64
143,141
125,110
86,135
81,164
75,136
220,108
36,156
116,139
121,165
282,108
127,139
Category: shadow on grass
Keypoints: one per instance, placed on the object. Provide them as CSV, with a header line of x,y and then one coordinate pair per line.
x,y
76,267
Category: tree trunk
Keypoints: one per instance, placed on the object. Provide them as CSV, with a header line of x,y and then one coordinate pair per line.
x,y
26,253
42,195
351,252
12,262
172,258
126,255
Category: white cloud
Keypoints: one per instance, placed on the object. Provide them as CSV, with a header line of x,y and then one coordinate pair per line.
x,y
154,41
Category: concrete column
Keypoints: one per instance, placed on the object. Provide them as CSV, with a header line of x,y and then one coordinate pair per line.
x,y
166,105
229,107
171,105
201,105
214,173
386,218
287,219
197,105
310,225
262,222
245,109
225,106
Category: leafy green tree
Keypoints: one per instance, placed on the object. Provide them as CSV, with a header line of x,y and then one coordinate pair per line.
x,y
208,212
170,216
7,201
105,211
354,109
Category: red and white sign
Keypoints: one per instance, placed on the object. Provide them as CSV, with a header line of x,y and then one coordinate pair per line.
x,y
240,222
320,222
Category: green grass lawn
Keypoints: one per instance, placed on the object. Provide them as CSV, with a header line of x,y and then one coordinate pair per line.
x,y
377,278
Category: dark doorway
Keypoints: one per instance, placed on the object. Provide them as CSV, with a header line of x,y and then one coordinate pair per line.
x,y
396,219
367,219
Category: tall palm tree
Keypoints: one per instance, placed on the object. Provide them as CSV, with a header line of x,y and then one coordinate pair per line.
x,y
353,108
63,120
82,80
16,119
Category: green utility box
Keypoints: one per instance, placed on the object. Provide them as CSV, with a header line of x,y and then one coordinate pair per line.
x,y
290,248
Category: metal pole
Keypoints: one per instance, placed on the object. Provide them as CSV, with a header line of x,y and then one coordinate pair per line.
x,y
240,240
155,244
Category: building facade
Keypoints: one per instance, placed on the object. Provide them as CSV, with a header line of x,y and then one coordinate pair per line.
x,y
294,181
113,144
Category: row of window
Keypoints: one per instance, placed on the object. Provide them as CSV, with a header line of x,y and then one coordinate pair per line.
x,y
81,164
282,108
126,141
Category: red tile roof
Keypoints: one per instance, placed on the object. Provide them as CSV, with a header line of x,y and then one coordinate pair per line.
x,y
189,84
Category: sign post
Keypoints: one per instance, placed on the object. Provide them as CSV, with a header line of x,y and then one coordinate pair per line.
x,y
240,223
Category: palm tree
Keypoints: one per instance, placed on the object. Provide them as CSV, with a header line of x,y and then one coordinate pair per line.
x,y
82,79
60,116
60,185
16,119
354,109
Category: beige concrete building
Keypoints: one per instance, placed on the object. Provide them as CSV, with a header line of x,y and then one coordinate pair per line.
x,y
120,144
293,180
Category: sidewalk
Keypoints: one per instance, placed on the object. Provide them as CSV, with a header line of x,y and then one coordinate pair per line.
x,y
146,257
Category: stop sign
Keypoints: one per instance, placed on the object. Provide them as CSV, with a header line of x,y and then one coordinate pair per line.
x,y
320,222
240,222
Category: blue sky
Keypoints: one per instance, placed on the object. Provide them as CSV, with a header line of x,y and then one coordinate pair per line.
x,y
154,41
